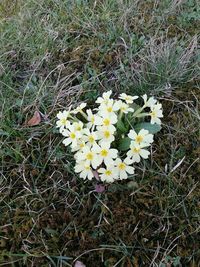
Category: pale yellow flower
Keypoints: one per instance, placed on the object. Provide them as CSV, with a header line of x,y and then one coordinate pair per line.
x,y
105,153
137,151
89,156
108,175
84,170
105,97
124,168
142,138
156,114
106,134
127,98
72,136
93,119
79,109
63,121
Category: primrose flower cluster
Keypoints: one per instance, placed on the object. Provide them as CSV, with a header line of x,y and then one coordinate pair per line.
x,y
104,140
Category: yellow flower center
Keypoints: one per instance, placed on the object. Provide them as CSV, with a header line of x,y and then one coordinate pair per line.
x,y
136,150
104,153
89,156
139,139
107,134
109,109
87,168
92,119
122,108
72,135
63,121
91,139
153,114
122,166
78,128
108,172
106,122
82,145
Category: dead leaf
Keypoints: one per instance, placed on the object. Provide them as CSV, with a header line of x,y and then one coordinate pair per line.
x,y
79,264
35,120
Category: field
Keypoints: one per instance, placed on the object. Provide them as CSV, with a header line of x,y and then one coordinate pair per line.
x,y
57,53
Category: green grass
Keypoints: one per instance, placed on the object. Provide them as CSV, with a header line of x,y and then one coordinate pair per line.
x,y
54,53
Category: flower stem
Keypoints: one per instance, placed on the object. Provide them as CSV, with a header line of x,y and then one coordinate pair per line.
x,y
84,115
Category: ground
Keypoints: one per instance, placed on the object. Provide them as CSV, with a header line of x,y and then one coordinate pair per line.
x,y
59,52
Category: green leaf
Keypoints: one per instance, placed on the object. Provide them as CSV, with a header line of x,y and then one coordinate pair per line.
x,y
121,126
152,128
124,144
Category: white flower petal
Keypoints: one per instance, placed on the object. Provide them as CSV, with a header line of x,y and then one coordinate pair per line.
x,y
136,158
144,153
132,134
123,175
130,169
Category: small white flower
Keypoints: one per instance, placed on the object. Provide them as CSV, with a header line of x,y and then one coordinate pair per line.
x,y
79,109
104,99
136,152
105,134
109,108
89,156
123,168
72,136
78,126
156,114
123,107
142,138
84,169
63,121
128,98
105,153
108,121
93,119
89,137
150,102
80,145
108,175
